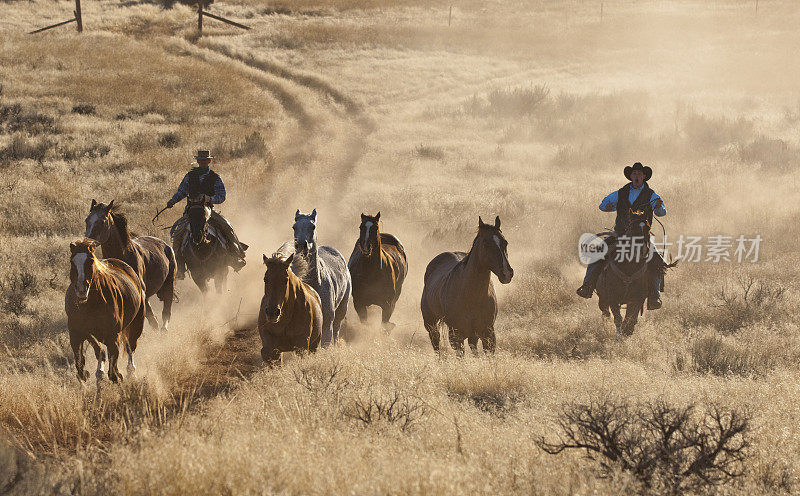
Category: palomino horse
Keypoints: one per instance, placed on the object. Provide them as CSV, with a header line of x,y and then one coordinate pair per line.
x,y
378,267
625,276
104,304
150,257
327,274
205,255
290,318
458,290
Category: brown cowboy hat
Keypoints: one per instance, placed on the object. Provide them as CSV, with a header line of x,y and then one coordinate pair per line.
x,y
203,155
648,172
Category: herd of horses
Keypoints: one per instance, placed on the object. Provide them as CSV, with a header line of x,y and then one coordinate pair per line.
x,y
307,287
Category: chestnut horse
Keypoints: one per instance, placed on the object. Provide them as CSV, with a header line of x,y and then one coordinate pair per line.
x,y
104,304
150,257
290,318
378,267
458,290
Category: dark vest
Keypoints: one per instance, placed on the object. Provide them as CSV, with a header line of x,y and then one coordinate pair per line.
x,y
204,187
624,206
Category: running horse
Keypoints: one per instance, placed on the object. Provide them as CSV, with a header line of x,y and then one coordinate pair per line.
x,y
150,257
105,303
378,267
290,317
202,249
458,290
624,278
327,274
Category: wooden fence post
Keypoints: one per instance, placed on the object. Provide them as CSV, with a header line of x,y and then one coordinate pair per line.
x,y
200,18
78,17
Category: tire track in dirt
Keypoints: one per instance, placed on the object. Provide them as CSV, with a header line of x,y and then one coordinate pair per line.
x,y
224,365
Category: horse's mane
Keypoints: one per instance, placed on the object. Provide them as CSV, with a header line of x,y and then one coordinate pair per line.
x,y
121,222
300,266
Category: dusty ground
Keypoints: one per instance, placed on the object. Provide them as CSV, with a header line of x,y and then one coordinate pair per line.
x,y
526,110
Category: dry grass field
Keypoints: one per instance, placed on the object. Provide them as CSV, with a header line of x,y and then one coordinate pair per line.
x,y
527,110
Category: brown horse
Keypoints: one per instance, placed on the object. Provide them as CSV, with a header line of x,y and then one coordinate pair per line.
x,y
290,318
624,278
203,250
150,257
104,304
378,267
458,290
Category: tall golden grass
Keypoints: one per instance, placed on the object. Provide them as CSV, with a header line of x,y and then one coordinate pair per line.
x,y
526,111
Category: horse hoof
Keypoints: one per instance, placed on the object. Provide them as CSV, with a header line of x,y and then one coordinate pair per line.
x,y
83,376
388,326
99,375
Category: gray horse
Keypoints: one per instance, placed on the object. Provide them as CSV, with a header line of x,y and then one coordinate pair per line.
x,y
327,274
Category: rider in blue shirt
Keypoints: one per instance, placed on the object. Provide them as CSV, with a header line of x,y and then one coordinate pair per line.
x,y
634,195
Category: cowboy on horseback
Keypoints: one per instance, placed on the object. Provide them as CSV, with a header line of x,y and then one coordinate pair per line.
x,y
635,195
202,183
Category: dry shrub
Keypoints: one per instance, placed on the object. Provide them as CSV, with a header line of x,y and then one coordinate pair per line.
x,y
83,109
752,301
508,102
253,145
14,118
16,290
22,148
725,356
667,448
78,152
393,408
429,152
169,140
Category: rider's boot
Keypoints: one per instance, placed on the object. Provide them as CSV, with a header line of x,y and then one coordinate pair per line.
x,y
590,280
654,293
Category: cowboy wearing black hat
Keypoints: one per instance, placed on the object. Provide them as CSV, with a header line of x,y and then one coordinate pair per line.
x,y
202,182
634,195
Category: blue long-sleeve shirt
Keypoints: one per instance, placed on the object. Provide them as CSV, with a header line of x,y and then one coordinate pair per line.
x,y
612,199
183,190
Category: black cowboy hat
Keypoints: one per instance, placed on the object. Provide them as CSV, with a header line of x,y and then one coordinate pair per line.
x,y
203,155
648,172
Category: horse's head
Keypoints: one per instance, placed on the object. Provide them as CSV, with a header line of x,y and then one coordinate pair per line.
x,y
198,213
639,224
99,222
491,247
370,232
305,231
276,280
81,270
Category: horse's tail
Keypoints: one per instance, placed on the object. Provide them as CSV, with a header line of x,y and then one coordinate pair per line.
x,y
171,270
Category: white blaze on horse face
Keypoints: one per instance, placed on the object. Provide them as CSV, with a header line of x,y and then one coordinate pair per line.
x,y
367,227
506,265
81,284
91,221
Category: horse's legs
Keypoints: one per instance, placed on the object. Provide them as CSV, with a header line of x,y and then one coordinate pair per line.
x,y
113,356
457,342
489,341
133,333
432,326
617,317
221,281
387,309
100,354
338,317
361,310
167,294
269,354
473,344
631,317
151,317
76,341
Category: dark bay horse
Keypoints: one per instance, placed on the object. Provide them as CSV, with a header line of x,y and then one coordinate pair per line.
x,y
624,278
458,290
150,257
378,267
327,274
203,250
104,304
290,318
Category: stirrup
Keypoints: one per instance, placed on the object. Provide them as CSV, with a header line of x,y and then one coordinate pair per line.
x,y
654,303
585,292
